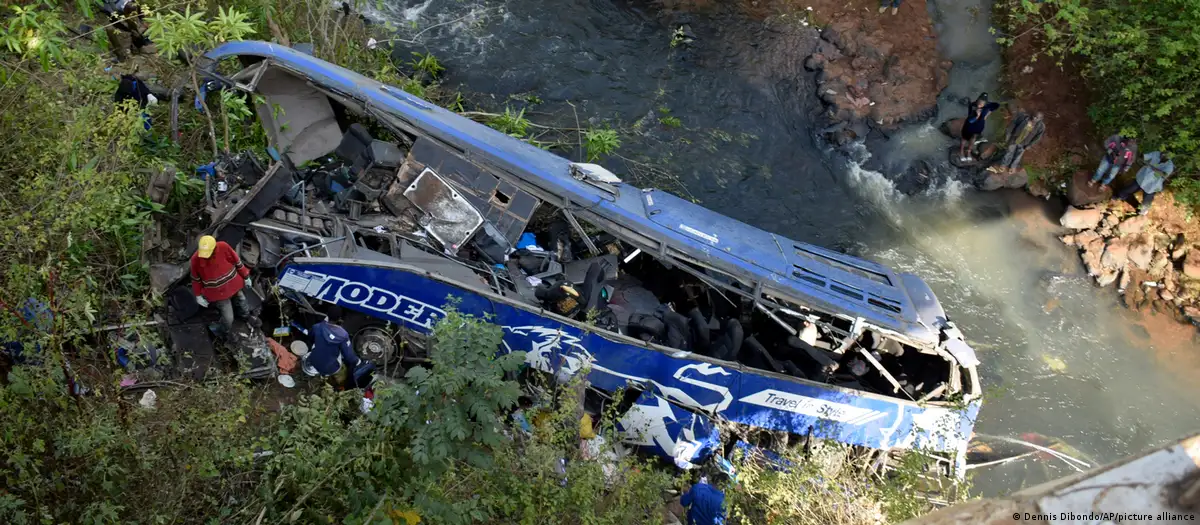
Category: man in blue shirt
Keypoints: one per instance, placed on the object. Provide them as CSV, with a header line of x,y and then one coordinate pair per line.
x,y
705,504
1156,167
332,355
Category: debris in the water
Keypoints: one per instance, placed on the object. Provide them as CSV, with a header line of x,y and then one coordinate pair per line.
x,y
149,400
1056,365
1052,305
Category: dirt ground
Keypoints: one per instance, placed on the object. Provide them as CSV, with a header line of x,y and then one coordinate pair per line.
x,y
883,67
1061,94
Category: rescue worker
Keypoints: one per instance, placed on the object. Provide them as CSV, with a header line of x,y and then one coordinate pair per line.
x,y
332,355
705,504
1024,133
218,277
1156,168
126,16
1119,155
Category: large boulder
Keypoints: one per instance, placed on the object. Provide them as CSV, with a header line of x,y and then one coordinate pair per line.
x,y
1159,264
815,61
953,127
1092,254
1079,193
1179,251
1107,277
1191,265
1141,251
998,178
1078,219
1116,254
1134,224
1087,237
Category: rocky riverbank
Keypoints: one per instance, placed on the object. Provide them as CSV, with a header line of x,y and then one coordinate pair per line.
x,y
1153,260
880,70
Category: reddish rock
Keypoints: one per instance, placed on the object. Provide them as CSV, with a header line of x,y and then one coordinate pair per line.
x,y
1159,264
1191,266
1106,278
1133,224
1079,193
954,127
987,151
1141,251
1092,252
895,81
1078,219
1000,178
1038,188
1087,237
1116,254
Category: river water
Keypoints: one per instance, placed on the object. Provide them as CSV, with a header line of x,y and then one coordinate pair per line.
x,y
1061,357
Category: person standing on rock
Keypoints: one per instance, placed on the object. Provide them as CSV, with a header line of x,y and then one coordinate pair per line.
x,y
1024,133
1119,155
973,126
885,4
1156,168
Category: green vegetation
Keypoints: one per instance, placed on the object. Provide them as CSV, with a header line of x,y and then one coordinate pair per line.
x,y
510,123
427,63
667,119
437,447
1142,58
600,142
678,37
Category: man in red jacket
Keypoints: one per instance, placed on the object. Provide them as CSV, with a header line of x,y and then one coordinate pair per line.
x,y
218,276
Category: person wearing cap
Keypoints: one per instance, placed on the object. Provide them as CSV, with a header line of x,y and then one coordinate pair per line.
x,y
332,354
218,277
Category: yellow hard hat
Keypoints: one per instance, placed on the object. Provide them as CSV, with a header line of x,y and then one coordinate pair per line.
x,y
585,427
205,247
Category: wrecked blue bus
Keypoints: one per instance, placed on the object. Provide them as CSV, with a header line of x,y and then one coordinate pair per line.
x,y
390,206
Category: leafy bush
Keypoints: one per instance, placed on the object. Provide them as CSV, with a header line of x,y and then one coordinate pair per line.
x,y
600,142
1142,60
510,123
427,63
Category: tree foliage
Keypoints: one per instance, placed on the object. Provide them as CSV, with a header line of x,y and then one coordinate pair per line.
x,y
1142,65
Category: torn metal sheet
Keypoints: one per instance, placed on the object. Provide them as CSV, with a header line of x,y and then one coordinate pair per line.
x,y
502,203
448,216
298,118
655,424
